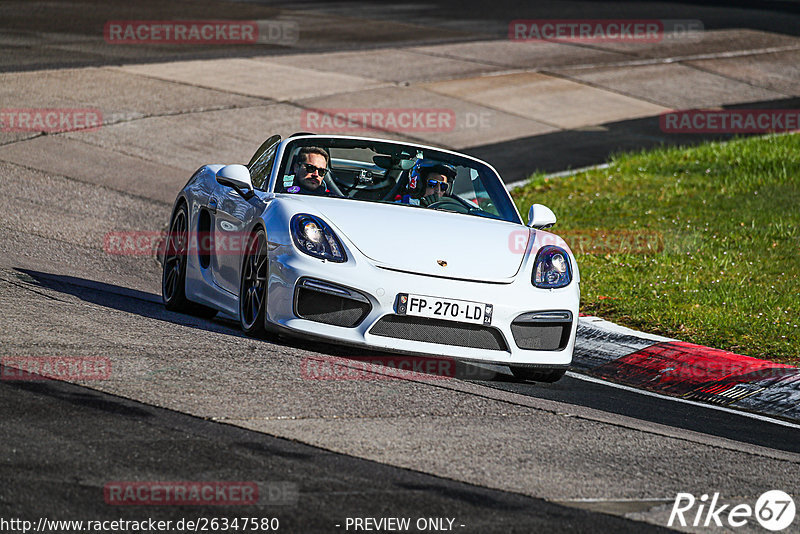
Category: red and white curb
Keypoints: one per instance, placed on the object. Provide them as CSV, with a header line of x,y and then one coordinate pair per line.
x,y
667,366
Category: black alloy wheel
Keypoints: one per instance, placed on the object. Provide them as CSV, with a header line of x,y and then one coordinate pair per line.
x,y
253,286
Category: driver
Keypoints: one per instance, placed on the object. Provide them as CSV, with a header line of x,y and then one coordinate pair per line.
x,y
428,181
310,172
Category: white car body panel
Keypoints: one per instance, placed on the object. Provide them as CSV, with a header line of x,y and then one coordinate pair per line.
x,y
391,249
391,236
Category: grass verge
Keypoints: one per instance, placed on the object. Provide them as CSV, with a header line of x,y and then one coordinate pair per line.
x,y
701,244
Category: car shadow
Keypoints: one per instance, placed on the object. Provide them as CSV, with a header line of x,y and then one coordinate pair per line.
x,y
123,299
364,362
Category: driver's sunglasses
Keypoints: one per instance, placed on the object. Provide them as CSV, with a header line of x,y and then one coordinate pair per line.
x,y
436,183
311,168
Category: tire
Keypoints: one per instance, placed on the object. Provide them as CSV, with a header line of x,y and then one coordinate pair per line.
x,y
538,375
253,286
173,276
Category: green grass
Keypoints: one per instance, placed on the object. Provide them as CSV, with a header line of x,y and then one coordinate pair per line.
x,y
722,223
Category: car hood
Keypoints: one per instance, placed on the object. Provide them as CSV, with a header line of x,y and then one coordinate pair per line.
x,y
425,241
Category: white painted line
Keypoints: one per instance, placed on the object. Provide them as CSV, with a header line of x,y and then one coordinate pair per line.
x,y
559,174
685,401
674,59
632,499
570,172
599,323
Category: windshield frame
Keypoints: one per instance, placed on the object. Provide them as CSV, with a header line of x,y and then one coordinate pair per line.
x,y
281,161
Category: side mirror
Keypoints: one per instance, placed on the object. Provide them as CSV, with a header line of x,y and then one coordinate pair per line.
x,y
540,216
237,177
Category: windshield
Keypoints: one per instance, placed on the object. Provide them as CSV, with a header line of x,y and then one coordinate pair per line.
x,y
381,171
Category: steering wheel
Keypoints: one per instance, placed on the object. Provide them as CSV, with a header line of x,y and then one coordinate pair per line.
x,y
450,204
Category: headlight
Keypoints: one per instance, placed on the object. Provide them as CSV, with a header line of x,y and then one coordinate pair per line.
x,y
315,238
551,269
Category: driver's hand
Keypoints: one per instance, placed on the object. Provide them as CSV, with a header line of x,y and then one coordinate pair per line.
x,y
428,200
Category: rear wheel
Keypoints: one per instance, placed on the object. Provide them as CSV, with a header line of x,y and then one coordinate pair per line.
x,y
173,278
538,375
253,286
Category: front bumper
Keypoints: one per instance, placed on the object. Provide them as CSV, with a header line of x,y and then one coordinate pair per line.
x,y
524,317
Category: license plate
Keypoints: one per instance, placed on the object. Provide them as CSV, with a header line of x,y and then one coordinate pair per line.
x,y
463,311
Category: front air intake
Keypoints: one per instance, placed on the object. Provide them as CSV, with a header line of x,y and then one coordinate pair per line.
x,y
438,331
327,303
542,330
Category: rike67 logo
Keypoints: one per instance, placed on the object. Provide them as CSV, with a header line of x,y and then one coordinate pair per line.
x,y
774,510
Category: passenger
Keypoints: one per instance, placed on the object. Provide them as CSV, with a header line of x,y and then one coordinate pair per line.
x,y
310,172
428,181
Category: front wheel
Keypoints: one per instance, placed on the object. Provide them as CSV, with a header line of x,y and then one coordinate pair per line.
x,y
253,286
538,375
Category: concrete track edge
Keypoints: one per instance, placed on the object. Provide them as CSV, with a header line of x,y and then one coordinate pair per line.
x,y
667,366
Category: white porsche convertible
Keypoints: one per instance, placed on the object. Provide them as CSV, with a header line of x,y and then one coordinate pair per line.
x,y
378,244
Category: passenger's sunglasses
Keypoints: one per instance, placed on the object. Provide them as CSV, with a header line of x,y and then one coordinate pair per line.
x,y
311,169
440,184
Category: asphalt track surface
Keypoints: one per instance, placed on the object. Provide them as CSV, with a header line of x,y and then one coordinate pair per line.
x,y
192,399
101,437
